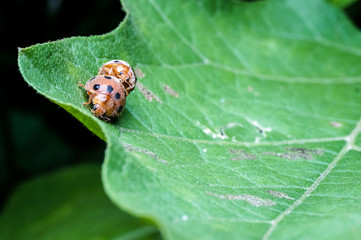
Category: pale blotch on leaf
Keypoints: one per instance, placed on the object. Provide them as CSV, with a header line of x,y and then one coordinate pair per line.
x,y
250,89
251,199
336,124
279,194
147,93
231,125
241,155
139,73
261,129
149,153
217,133
228,126
297,153
170,91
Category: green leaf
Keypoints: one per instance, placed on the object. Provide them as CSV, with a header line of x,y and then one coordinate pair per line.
x,y
68,204
244,121
342,3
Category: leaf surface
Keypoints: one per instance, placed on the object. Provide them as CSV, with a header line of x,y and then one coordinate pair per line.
x,y
244,123
343,3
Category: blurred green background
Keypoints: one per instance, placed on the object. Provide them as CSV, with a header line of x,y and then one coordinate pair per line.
x,y
36,136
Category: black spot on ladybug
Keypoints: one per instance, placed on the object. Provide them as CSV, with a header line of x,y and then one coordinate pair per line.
x,y
116,61
109,88
107,77
127,78
95,107
120,108
96,87
120,73
117,95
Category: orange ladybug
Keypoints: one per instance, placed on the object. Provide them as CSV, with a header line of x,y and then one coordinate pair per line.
x,y
121,70
108,96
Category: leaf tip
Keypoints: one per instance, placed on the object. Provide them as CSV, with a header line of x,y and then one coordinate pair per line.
x,y
20,50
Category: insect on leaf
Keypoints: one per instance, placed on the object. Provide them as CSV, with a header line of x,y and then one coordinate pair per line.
x,y
245,122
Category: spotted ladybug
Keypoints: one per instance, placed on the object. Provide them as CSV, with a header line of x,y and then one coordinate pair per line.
x,y
121,70
107,95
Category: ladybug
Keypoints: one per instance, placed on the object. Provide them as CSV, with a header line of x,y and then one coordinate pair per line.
x,y
108,96
121,70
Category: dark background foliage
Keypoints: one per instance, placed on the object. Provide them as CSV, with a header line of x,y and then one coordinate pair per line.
x,y
36,136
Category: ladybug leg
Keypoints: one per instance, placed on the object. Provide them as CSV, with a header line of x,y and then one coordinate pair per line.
x,y
111,71
129,89
81,85
91,96
105,118
103,71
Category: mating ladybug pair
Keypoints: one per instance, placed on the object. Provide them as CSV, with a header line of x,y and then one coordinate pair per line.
x,y
108,90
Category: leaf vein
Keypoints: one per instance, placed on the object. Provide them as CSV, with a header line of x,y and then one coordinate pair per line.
x,y
349,143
